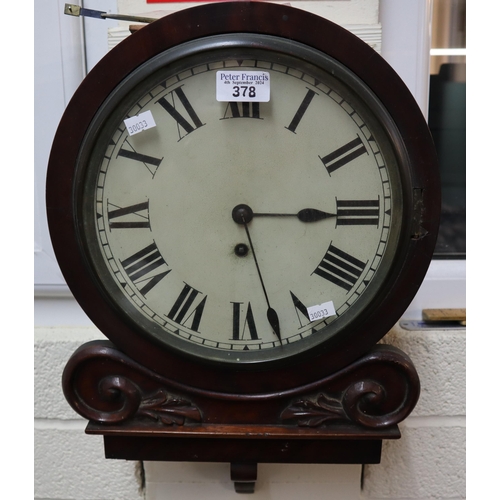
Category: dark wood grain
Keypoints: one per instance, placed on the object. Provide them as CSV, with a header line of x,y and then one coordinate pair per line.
x,y
422,209
103,385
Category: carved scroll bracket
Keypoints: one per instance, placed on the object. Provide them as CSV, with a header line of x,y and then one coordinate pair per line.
x,y
103,385
342,418
377,391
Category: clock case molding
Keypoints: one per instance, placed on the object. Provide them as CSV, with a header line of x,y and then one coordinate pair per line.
x,y
342,418
150,404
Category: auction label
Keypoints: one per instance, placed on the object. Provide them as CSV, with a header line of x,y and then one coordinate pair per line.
x,y
139,123
321,311
243,86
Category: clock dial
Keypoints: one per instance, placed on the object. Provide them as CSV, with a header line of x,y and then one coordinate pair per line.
x,y
218,228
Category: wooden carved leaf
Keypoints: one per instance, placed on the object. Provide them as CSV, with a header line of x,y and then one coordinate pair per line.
x,y
313,413
168,411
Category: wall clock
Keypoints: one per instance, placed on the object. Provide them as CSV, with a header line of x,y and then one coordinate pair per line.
x,y
244,198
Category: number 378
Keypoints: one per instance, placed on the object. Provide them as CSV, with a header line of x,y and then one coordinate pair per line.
x,y
243,91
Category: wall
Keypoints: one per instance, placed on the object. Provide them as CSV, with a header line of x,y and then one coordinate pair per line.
x,y
427,462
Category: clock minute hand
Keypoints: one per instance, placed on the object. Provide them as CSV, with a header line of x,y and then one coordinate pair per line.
x,y
305,215
243,214
272,315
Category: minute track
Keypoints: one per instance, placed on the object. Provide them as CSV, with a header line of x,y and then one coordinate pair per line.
x,y
191,169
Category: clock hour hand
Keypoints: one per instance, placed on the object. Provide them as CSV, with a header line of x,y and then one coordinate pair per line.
x,y
241,215
304,215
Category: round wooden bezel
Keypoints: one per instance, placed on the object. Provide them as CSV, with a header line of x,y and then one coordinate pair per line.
x,y
267,19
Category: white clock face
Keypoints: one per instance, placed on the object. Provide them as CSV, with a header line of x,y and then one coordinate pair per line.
x,y
196,225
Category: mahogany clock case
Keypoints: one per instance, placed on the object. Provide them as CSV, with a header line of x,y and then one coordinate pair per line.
x,y
419,175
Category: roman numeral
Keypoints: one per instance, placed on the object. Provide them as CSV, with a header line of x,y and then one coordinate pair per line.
x,y
344,155
242,110
182,308
177,96
340,268
300,308
150,162
358,212
249,322
302,109
142,267
139,216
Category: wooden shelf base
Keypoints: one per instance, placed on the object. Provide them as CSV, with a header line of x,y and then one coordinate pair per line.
x,y
341,419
